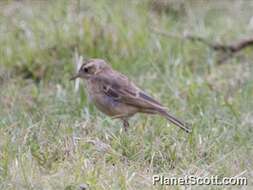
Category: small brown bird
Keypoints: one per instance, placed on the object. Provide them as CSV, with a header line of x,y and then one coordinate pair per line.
x,y
115,95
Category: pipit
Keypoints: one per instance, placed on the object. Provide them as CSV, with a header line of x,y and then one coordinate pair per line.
x,y
116,96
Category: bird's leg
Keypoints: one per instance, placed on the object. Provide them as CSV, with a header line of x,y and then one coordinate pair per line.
x,y
125,124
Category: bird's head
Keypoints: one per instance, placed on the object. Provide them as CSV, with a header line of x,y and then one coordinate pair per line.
x,y
91,68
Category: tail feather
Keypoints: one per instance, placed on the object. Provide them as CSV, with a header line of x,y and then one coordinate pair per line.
x,y
162,111
176,121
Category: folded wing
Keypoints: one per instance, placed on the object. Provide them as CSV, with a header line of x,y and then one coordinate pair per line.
x,y
123,90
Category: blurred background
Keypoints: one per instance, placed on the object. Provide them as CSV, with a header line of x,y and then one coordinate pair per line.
x,y
52,138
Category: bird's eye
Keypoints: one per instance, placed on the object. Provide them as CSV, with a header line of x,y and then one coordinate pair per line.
x,y
86,70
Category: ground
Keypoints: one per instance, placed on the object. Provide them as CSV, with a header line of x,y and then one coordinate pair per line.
x,y
51,137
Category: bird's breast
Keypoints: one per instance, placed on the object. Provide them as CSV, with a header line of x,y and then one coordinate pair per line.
x,y
107,104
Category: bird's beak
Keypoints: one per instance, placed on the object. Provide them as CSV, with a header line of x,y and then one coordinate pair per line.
x,y
75,76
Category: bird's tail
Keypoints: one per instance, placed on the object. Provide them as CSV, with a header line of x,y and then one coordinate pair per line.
x,y
175,121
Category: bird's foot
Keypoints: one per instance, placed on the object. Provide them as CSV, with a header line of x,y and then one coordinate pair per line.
x,y
126,125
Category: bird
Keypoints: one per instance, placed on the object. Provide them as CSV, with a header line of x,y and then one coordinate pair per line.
x,y
114,94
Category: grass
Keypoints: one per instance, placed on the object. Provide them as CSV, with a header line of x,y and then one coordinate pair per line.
x,y
52,138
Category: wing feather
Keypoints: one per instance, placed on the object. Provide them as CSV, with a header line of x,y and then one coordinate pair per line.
x,y
123,90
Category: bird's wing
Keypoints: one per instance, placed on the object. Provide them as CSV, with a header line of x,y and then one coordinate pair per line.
x,y
122,90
